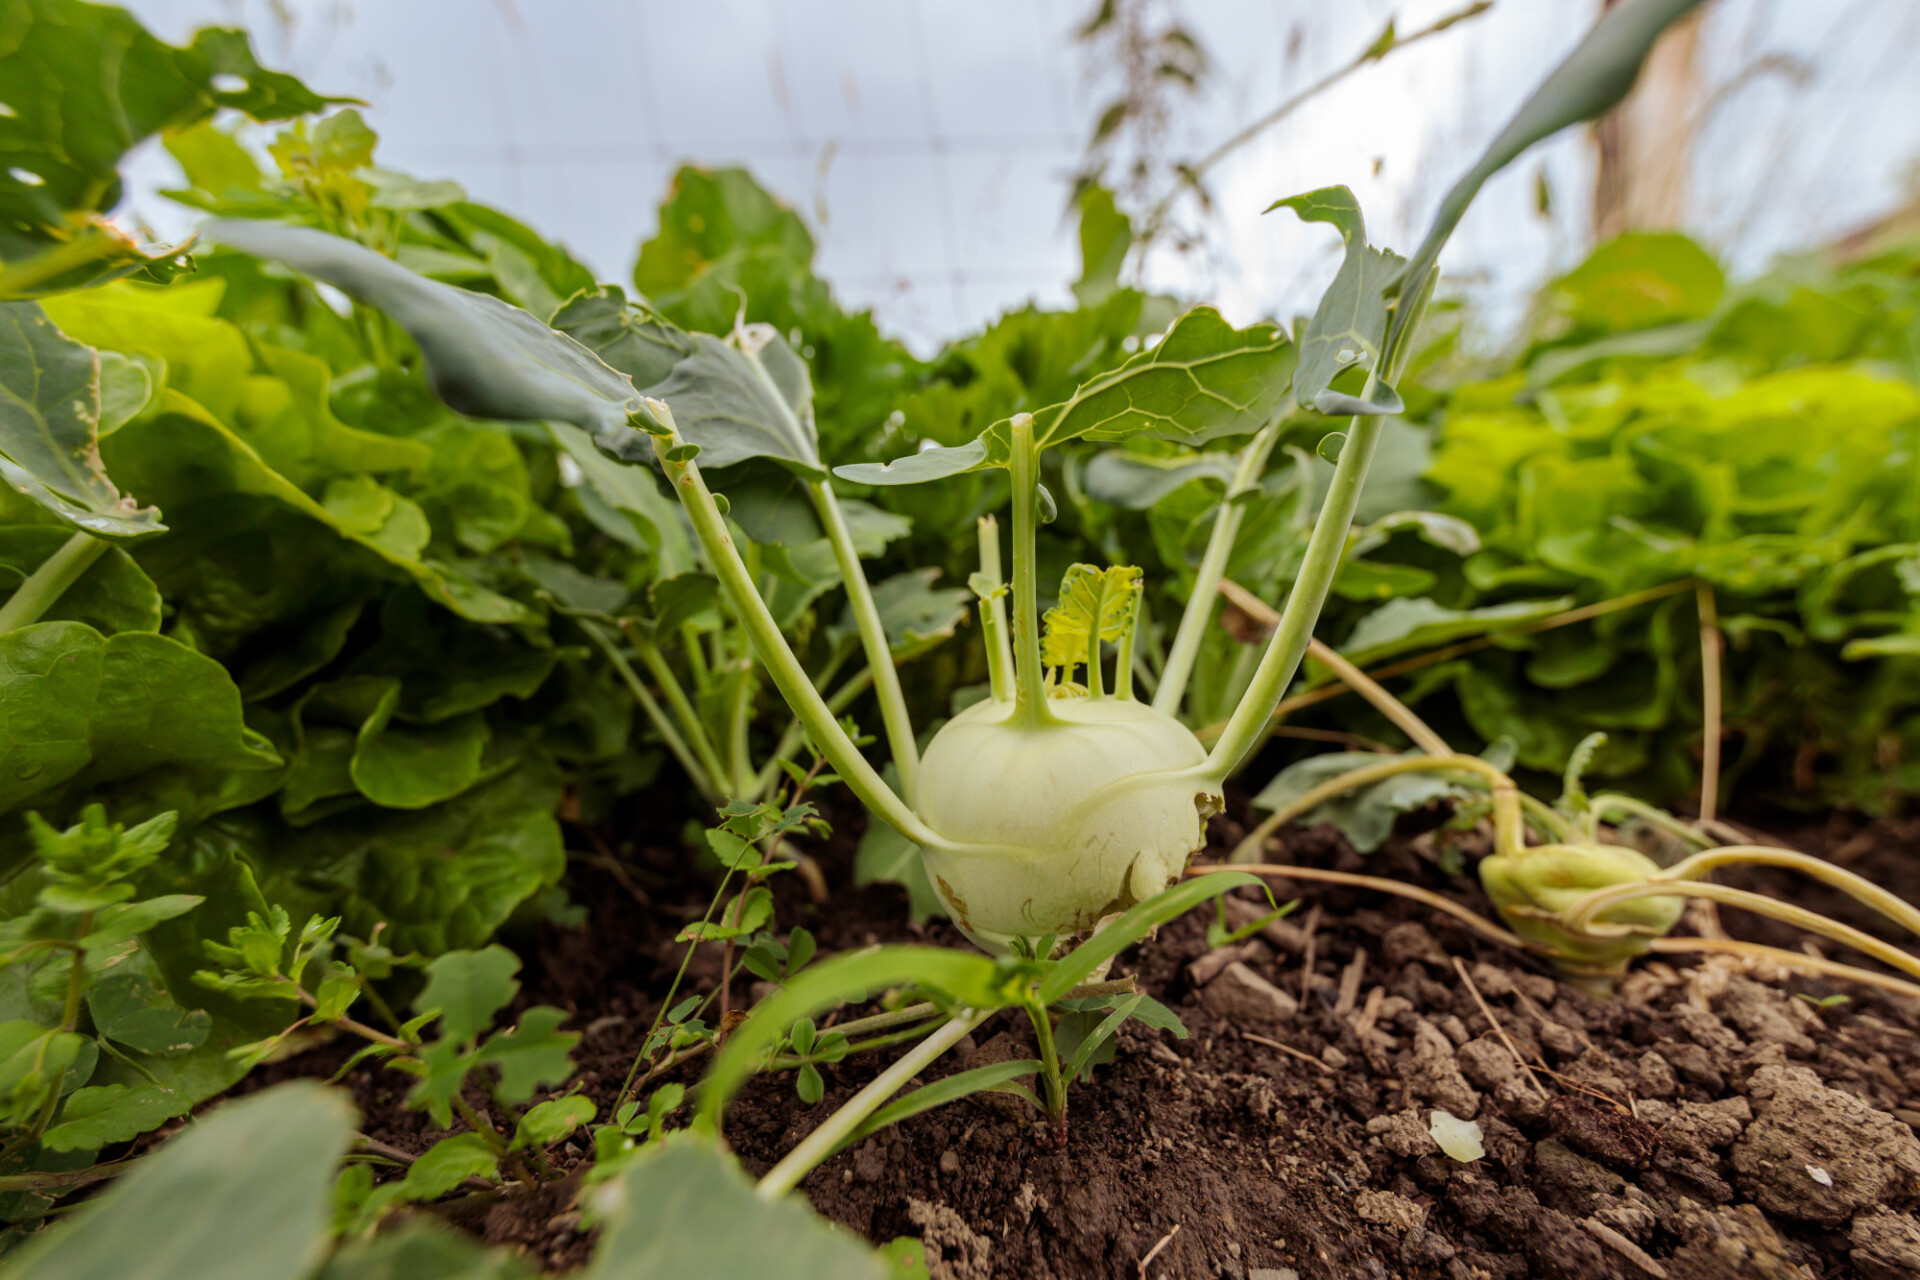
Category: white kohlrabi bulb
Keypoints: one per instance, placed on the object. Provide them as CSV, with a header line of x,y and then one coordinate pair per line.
x,y
1088,814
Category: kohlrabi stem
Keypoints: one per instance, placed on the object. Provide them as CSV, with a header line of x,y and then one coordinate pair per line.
x,y
873,638
1123,657
1578,916
45,585
689,719
782,666
740,724
1213,563
1403,716
1096,673
1030,680
1598,807
1859,888
663,725
993,612
1246,727
820,1144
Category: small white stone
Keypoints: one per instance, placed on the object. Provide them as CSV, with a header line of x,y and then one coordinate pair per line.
x,y
1459,1138
1819,1175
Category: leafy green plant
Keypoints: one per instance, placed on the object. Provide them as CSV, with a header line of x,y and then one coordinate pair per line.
x,y
88,991
465,990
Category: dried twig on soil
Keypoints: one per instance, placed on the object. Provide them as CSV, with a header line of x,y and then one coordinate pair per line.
x,y
1472,919
1312,930
1350,983
1473,989
1301,1054
1155,1251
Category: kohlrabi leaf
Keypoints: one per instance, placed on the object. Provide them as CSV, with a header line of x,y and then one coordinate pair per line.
x,y
915,613
1095,605
1349,327
486,358
1204,379
746,398
49,427
243,1194
1136,480
1588,82
419,1250
629,493
686,1209
630,336
933,462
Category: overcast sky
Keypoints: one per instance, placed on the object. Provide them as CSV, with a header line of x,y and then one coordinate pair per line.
x,y
929,142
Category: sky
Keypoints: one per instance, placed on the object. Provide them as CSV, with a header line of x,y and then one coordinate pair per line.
x,y
930,143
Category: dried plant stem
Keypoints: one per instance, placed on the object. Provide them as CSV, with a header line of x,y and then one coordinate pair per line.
x,y
1472,919
1473,989
1710,646
1857,887
1786,959
1579,916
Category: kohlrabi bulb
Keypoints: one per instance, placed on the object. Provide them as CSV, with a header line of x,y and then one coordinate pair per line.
x,y
1531,886
1087,814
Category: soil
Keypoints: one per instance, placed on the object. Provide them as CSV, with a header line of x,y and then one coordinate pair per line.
x,y
1710,1121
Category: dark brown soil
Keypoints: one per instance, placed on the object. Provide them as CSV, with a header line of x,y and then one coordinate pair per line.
x,y
1711,1120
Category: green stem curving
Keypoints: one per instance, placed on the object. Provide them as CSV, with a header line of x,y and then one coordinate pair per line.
x,y
1213,566
873,638
45,585
782,666
1029,679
